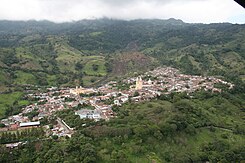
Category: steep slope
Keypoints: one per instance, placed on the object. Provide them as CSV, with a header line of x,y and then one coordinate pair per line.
x,y
88,52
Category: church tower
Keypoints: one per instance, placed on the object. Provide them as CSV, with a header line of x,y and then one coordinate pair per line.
x,y
139,83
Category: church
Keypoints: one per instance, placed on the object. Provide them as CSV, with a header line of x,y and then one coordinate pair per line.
x,y
139,83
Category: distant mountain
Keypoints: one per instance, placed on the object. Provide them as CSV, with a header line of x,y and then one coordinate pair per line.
x,y
33,26
57,49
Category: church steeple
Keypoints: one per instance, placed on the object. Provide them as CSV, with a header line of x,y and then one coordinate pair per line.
x,y
139,83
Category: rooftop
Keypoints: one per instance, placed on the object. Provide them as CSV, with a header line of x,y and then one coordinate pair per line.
x,y
29,124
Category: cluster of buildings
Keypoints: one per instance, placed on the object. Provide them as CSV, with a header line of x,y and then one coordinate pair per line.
x,y
172,80
11,125
96,103
61,129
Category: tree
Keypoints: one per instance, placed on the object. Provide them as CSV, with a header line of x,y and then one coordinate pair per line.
x,y
2,125
95,67
78,66
88,153
55,137
183,106
136,93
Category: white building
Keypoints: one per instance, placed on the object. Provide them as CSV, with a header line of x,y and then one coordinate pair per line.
x,y
28,124
91,114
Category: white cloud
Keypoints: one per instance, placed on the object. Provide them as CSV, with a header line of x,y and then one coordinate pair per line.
x,y
199,11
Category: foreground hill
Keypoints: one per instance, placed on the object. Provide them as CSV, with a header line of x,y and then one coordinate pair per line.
x,y
173,128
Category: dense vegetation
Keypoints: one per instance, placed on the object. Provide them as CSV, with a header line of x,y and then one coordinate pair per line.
x,y
171,128
24,135
175,128
85,52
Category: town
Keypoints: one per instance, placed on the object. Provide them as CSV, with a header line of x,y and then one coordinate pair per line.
x,y
97,103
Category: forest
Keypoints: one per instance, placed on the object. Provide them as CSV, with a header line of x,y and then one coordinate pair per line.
x,y
172,128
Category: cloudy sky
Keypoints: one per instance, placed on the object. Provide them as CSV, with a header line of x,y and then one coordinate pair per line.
x,y
193,11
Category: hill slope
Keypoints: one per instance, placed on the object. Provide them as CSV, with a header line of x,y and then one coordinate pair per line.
x,y
44,46
174,128
89,52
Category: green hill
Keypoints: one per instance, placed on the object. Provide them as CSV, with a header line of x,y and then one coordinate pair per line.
x,y
90,52
175,128
49,48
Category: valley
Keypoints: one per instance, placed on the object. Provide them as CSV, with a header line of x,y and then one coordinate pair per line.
x,y
109,90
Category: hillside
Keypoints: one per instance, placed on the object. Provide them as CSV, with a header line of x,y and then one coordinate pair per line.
x,y
45,46
172,128
202,127
89,52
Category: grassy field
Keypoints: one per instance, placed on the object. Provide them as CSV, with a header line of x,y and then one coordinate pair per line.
x,y
23,53
49,60
23,102
24,78
7,100
67,57
100,69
